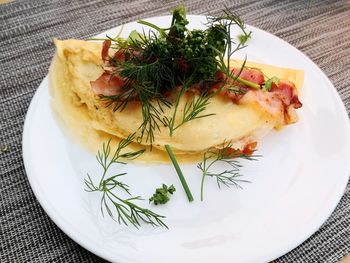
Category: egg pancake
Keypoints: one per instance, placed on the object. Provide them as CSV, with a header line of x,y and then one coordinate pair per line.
x,y
77,63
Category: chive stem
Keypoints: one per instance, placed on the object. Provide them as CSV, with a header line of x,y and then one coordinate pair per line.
x,y
179,173
160,30
248,83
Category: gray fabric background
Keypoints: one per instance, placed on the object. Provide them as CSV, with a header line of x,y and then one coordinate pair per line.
x,y
321,29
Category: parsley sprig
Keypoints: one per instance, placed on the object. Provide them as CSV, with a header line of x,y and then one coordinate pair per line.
x,y
161,196
127,211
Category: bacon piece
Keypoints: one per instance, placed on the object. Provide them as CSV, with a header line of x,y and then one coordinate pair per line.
x,y
296,102
274,103
107,84
247,150
287,92
284,91
123,54
183,64
119,55
252,75
268,101
250,148
105,48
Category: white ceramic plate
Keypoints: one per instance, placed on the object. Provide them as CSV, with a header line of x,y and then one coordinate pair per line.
x,y
295,186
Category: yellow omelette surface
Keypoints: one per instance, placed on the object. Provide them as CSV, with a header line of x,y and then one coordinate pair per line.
x,y
78,62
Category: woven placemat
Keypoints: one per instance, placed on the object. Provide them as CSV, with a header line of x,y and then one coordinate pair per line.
x,y
321,29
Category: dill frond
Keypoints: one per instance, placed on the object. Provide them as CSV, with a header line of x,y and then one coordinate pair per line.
x,y
227,156
126,210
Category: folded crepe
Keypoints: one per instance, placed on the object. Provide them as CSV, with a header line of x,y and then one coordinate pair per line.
x,y
78,63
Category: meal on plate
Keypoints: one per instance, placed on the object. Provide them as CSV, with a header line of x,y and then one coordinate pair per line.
x,y
172,91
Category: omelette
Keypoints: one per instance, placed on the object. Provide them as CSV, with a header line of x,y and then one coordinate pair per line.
x,y
78,66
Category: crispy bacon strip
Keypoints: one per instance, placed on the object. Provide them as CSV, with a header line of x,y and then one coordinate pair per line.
x,y
267,100
248,150
252,75
107,84
282,98
283,94
105,48
278,103
287,92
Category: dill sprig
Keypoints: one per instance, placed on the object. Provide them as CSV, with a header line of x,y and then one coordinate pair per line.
x,y
157,63
192,110
126,209
226,22
229,158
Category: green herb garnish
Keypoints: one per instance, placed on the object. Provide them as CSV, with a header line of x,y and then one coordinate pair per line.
x,y
161,196
126,209
243,38
157,63
268,84
194,109
227,156
179,173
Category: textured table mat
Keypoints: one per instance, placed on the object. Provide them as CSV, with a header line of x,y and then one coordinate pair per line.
x,y
321,29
